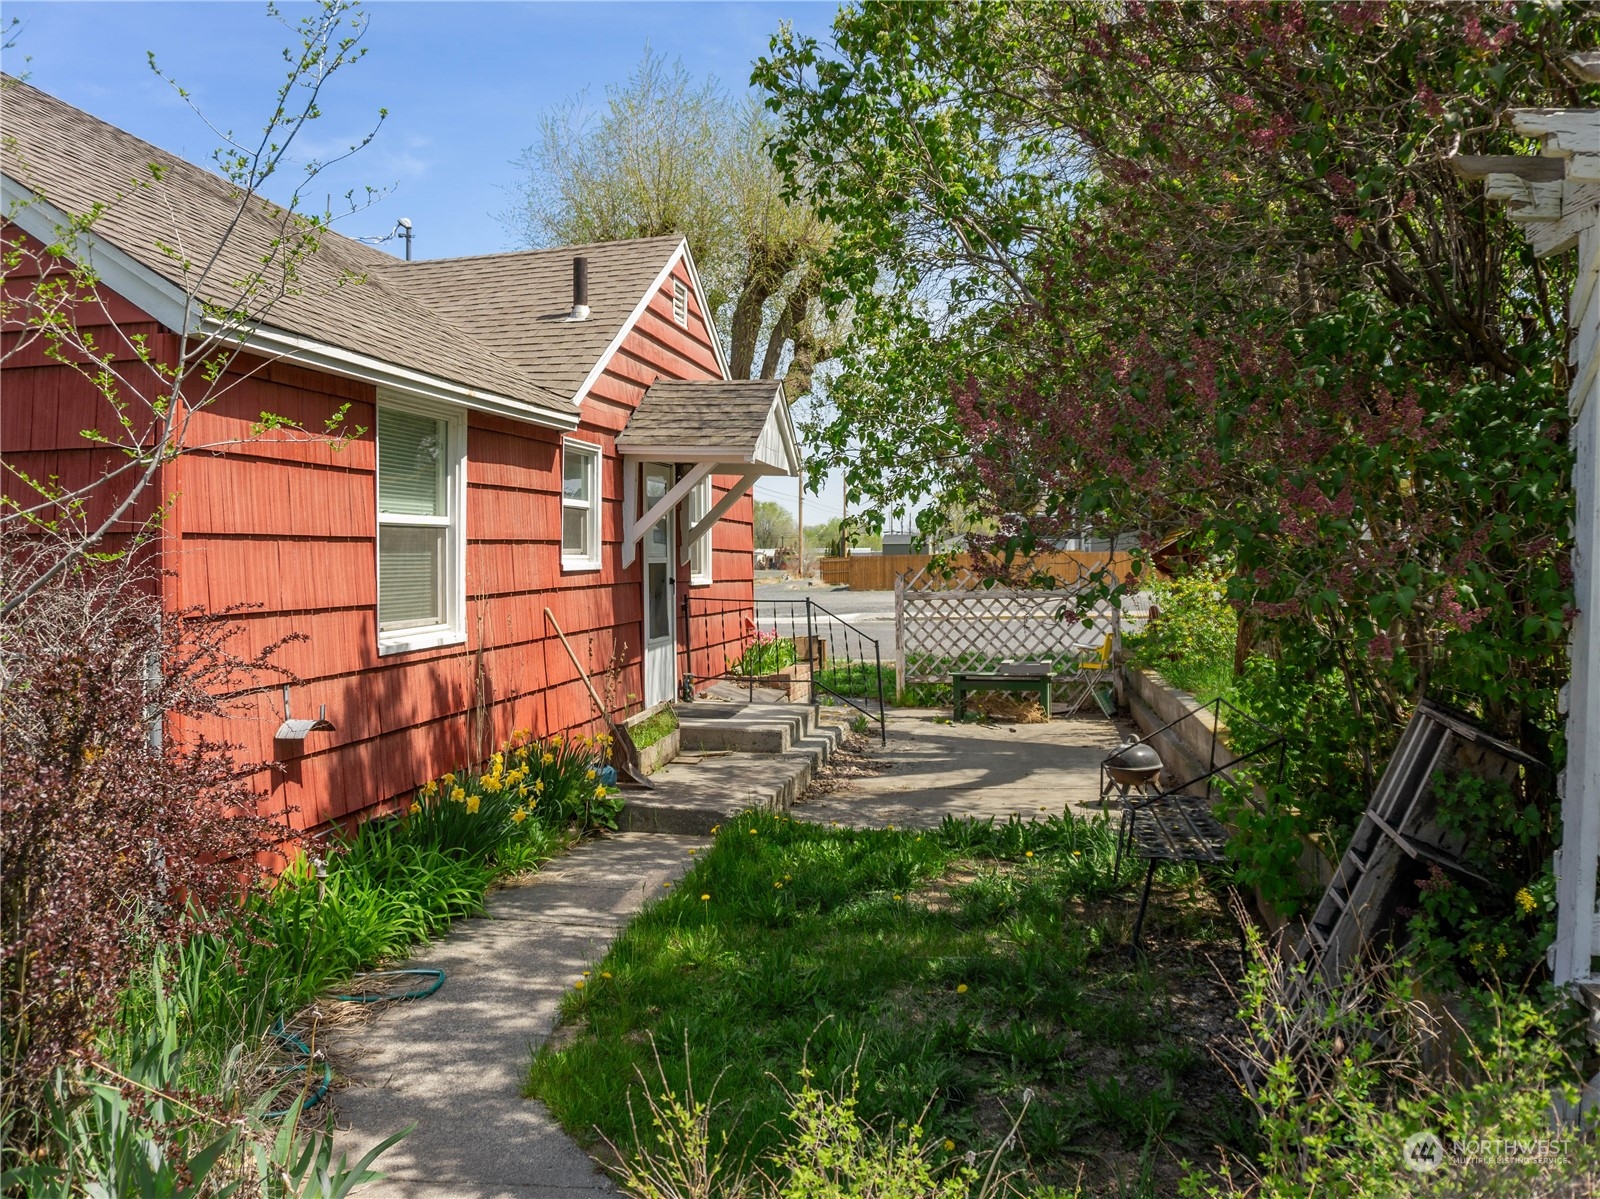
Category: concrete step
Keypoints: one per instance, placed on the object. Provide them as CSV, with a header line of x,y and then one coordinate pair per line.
x,y
707,726
699,791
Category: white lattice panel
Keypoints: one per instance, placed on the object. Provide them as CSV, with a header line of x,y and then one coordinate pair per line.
x,y
951,622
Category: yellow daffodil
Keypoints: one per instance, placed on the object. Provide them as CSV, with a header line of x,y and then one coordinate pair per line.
x,y
415,808
538,786
473,803
518,816
458,794
449,778
589,775
492,785
547,758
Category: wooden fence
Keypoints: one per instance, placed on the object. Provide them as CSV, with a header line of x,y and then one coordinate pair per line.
x,y
878,572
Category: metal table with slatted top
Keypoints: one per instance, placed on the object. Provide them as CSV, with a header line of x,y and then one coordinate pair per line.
x,y
1172,827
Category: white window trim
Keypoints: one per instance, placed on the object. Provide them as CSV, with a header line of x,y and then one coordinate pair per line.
x,y
453,630
698,578
680,303
596,454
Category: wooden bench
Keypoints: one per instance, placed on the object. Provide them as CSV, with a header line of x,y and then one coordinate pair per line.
x,y
1037,682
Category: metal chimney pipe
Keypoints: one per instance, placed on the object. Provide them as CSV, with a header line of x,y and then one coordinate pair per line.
x,y
580,289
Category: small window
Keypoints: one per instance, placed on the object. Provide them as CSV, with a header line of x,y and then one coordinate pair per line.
x,y
580,505
680,302
421,529
698,504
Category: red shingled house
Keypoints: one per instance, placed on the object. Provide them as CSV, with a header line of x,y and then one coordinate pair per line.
x,y
525,446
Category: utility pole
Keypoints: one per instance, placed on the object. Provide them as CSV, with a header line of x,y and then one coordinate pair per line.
x,y
800,524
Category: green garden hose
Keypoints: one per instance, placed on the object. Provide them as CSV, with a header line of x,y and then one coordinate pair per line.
x,y
423,993
286,1040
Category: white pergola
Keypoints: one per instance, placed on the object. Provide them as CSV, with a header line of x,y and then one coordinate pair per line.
x,y
1555,198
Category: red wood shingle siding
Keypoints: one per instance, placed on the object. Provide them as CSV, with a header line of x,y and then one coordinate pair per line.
x,y
288,525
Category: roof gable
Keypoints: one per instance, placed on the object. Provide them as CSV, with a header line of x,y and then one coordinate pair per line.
x,y
60,160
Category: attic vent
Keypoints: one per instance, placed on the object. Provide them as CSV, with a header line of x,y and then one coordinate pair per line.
x,y
680,302
580,290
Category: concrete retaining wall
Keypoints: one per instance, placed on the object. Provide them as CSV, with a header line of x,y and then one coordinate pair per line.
x,y
1187,750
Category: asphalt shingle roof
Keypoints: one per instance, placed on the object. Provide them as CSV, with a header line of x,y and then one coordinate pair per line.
x,y
518,304
495,323
726,414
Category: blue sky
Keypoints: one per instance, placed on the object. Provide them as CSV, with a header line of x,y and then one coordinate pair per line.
x,y
464,85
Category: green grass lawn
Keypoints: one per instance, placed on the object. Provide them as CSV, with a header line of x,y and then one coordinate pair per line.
x,y
950,970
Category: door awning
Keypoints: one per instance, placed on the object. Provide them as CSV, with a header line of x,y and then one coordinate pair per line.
x,y
724,427
738,426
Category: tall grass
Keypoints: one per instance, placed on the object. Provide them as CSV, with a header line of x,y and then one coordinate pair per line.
x,y
376,891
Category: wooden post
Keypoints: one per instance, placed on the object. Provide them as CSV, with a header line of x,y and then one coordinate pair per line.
x,y
1558,211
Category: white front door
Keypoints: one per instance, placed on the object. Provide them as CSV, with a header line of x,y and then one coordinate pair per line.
x,y
660,587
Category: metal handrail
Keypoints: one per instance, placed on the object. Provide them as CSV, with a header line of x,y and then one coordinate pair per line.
x,y
859,647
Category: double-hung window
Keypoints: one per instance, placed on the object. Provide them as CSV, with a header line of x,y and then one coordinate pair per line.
x,y
580,505
697,504
421,527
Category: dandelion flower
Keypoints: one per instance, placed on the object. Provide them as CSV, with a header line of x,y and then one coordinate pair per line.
x,y
715,827
585,974
600,791
777,886
1525,901
578,985
1030,853
899,897
605,974
1077,853
961,988
706,896
473,803
949,1146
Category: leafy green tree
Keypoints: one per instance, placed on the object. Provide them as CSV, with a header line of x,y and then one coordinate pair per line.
x,y
669,155
774,525
1205,271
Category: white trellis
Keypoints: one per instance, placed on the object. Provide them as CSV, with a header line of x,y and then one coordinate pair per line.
x,y
945,622
1555,197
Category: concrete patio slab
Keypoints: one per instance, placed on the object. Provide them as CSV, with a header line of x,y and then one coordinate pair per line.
x,y
454,1063
932,769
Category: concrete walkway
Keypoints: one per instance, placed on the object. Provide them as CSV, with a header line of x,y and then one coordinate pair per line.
x,y
455,1063
932,769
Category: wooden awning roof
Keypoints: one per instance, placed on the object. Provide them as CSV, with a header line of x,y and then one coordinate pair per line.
x,y
737,426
